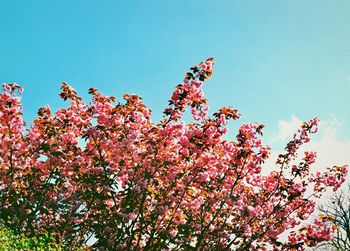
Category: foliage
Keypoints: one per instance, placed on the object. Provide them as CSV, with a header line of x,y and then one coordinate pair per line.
x,y
104,169
11,241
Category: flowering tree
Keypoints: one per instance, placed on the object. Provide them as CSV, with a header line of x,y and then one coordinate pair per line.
x,y
104,169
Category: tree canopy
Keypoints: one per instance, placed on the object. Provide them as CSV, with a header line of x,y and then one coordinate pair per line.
x,y
105,170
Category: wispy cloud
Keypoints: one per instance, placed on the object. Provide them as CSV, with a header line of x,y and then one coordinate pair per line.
x,y
287,129
347,79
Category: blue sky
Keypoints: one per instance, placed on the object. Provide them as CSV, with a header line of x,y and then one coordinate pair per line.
x,y
274,59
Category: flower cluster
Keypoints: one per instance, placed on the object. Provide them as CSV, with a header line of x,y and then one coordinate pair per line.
x,y
311,234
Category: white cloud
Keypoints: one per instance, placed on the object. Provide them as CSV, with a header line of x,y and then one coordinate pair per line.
x,y
287,129
329,128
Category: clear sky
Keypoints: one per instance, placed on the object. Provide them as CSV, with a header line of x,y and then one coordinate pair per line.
x,y
274,59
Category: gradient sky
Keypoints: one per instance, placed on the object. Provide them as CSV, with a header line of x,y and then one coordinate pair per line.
x,y
274,59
